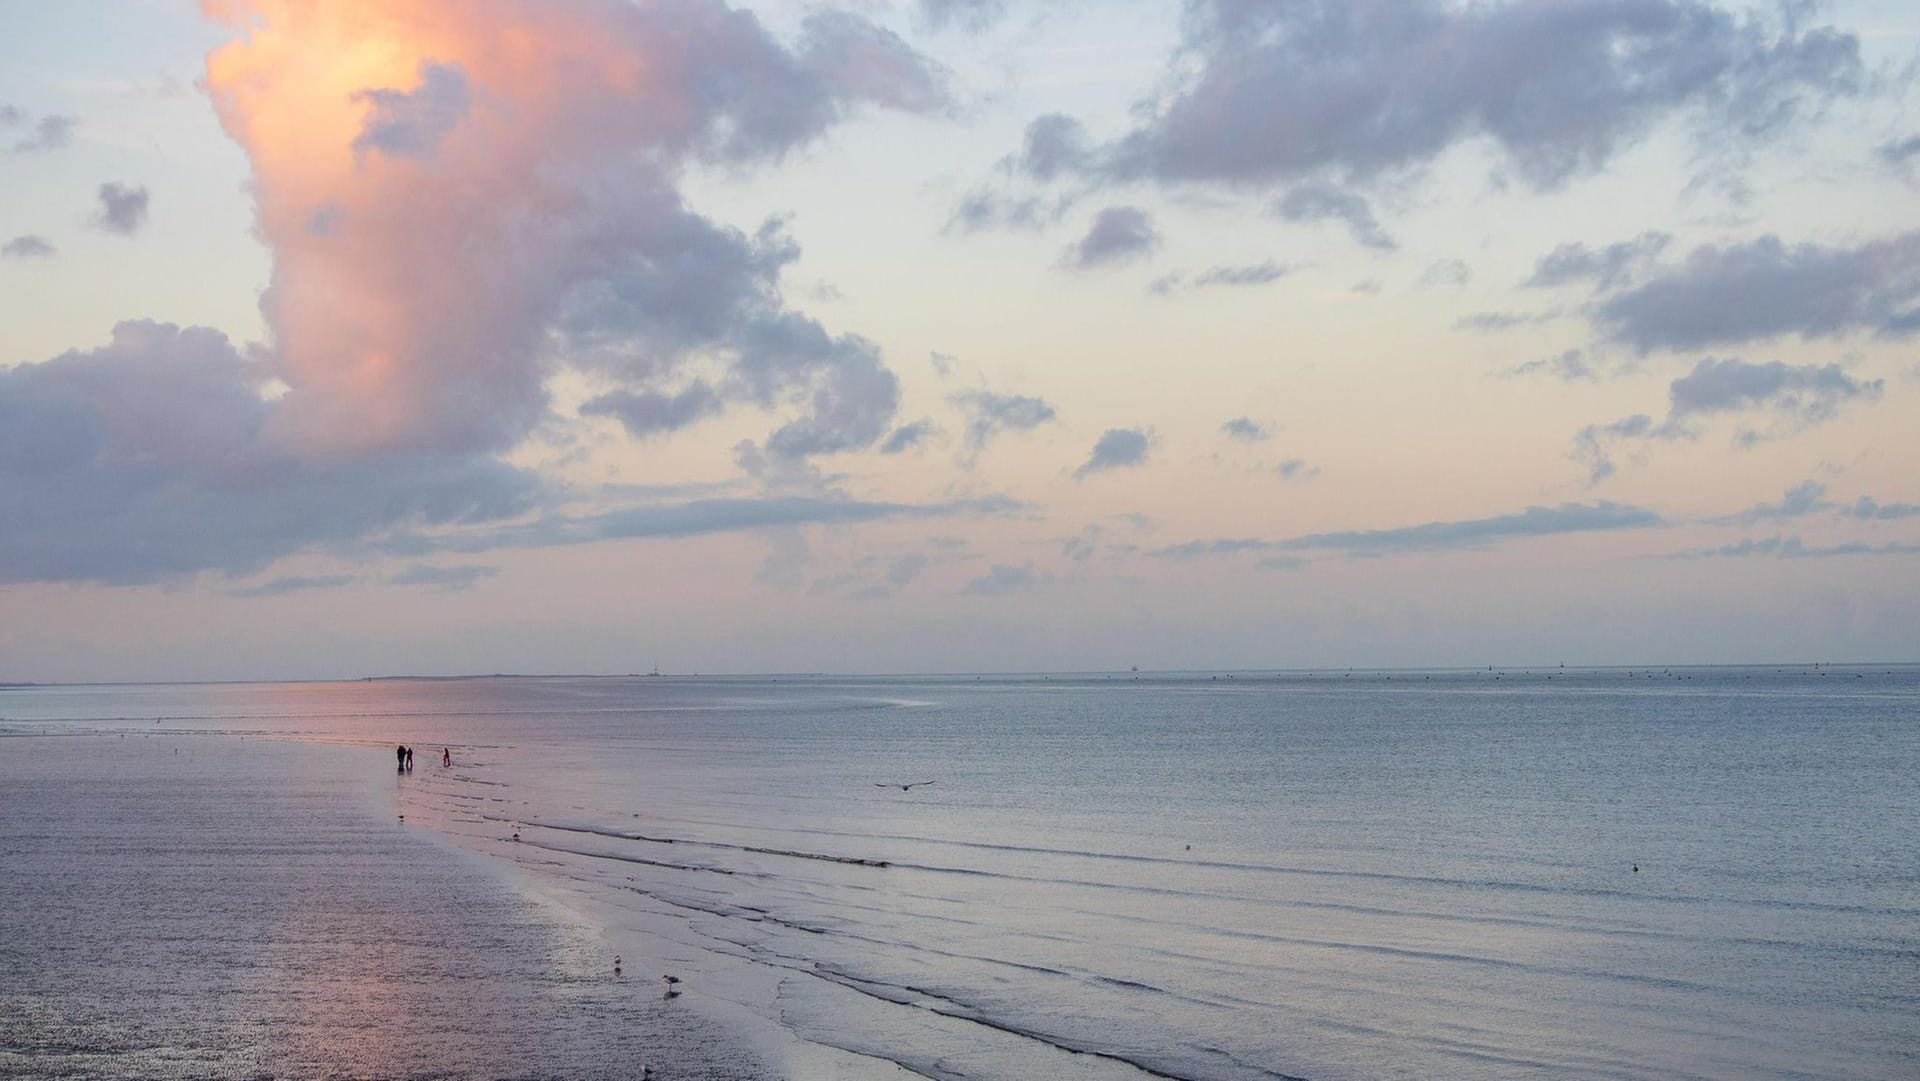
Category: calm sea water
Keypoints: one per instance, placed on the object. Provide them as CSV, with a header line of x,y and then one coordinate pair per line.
x,y
1695,873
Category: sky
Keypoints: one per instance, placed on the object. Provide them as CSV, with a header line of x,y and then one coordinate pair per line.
x,y
468,336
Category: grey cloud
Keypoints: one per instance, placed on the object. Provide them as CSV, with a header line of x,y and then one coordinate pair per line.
x,y
1321,201
1253,274
276,587
1224,546
651,412
1004,578
908,436
51,133
905,569
1436,536
1246,429
1806,393
123,209
1793,548
942,363
1290,468
1054,146
1446,272
1263,273
449,579
1082,547
1868,509
1593,445
1483,532
150,458
1900,151
1570,366
1494,322
413,123
850,405
1807,497
1605,268
984,209
1796,396
1278,91
1765,289
1117,448
26,247
700,517
860,61
665,289
1118,234
989,414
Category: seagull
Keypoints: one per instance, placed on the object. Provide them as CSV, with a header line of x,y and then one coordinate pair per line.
x,y
670,980
673,988
902,787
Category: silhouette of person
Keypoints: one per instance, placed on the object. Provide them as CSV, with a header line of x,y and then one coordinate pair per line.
x,y
446,756
409,759
400,754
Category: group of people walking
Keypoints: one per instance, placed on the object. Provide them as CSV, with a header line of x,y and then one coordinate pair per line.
x,y
403,756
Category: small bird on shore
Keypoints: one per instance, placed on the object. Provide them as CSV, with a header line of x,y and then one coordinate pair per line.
x,y
902,787
616,964
673,986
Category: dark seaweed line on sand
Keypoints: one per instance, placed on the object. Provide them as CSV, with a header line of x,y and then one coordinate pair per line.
x,y
622,835
1312,872
958,1011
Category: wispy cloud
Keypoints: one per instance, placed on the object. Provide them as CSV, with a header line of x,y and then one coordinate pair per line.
x,y
1117,448
1004,578
27,247
1787,398
449,579
1246,430
275,587
1567,518
123,209
1119,234
1778,547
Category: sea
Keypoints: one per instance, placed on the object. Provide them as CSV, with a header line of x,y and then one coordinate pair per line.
x,y
1622,873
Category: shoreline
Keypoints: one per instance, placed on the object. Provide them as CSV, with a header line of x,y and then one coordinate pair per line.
x,y
268,917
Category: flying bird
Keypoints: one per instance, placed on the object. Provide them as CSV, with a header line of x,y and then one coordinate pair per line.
x,y
902,787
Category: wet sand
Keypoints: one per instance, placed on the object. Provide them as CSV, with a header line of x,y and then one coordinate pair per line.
x,y
212,907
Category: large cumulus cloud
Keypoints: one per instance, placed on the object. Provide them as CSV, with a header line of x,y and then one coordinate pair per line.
x,y
461,198
492,193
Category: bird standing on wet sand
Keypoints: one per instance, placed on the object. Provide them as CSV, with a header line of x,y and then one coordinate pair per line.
x,y
902,787
673,985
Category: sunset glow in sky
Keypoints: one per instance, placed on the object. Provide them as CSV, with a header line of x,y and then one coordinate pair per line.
x,y
453,336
